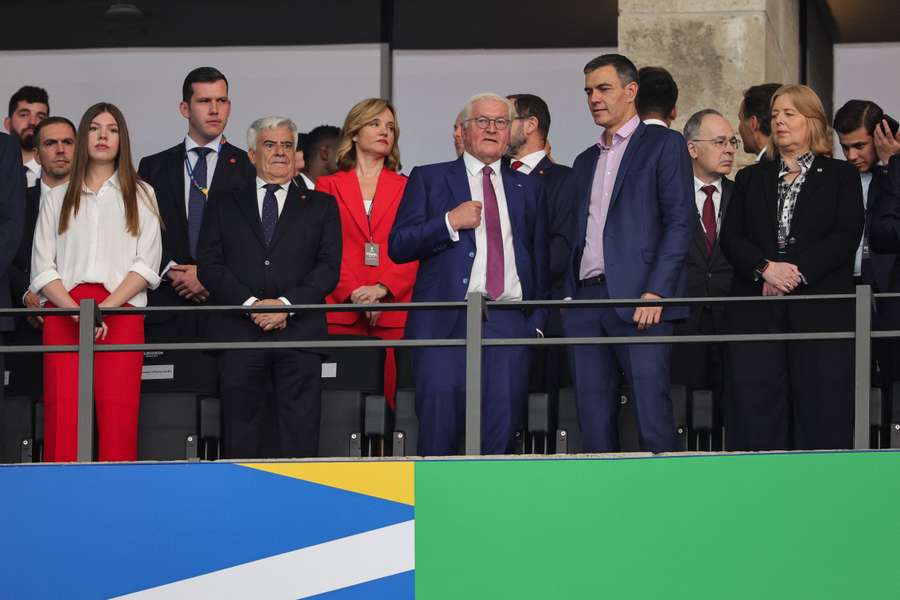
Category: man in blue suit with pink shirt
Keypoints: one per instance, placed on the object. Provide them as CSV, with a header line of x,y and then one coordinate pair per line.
x,y
475,226
632,221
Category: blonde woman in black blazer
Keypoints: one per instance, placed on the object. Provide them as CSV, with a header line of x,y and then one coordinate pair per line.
x,y
793,227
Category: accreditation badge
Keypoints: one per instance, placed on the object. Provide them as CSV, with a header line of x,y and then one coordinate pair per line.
x,y
371,257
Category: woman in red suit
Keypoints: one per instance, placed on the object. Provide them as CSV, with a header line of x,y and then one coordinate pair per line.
x,y
97,237
368,189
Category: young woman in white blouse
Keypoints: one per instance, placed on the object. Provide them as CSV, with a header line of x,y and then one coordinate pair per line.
x,y
98,237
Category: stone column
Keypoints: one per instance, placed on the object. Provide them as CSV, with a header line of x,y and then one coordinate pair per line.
x,y
715,49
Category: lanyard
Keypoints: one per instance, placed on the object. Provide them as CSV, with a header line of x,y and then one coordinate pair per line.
x,y
190,171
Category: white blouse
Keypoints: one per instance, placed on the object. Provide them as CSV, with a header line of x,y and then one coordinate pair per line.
x,y
96,247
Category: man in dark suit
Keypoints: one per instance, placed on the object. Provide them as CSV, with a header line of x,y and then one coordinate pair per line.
x,y
12,213
320,153
501,255
754,116
27,107
657,97
712,145
182,181
631,202
269,244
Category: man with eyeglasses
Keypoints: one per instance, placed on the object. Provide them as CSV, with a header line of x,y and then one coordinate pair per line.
x,y
712,145
631,201
477,226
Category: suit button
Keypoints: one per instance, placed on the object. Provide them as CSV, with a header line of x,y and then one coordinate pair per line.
x,y
471,255
267,263
792,240
465,280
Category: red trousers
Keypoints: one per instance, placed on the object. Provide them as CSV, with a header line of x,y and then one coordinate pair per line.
x,y
117,385
362,327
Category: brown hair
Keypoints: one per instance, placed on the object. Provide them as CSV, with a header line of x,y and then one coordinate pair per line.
x,y
129,181
808,104
362,113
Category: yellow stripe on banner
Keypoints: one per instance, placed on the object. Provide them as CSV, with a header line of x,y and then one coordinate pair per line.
x,y
387,480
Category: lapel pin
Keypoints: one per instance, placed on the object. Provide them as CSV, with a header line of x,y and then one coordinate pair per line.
x,y
519,184
232,160
541,172
819,170
303,196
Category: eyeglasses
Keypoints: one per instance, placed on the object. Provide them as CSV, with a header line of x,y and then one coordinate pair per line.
x,y
721,142
483,122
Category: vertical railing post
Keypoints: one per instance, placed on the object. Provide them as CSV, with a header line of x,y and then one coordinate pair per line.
x,y
475,310
88,318
862,366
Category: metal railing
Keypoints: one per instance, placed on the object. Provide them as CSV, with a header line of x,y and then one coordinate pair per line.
x,y
476,308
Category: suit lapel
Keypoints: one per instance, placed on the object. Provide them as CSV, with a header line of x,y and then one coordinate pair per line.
x,y
176,184
458,181
815,177
727,186
542,169
515,204
386,196
226,165
351,196
249,205
770,197
630,152
290,214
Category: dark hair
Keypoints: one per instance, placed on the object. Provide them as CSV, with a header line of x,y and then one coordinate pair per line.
x,y
624,67
692,127
318,136
529,105
129,181
657,92
858,113
758,103
200,75
30,94
301,140
51,121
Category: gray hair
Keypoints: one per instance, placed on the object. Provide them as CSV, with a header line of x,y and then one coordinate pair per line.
x,y
268,123
692,127
467,109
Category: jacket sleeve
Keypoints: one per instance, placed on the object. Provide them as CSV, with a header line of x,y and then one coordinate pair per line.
x,y
222,284
12,200
347,282
742,252
321,279
416,234
884,229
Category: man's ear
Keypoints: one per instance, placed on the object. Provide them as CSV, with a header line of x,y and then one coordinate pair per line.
x,y
754,123
6,124
251,154
692,149
674,114
184,108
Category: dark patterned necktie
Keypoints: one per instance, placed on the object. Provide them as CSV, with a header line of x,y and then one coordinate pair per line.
x,y
196,198
709,217
270,211
494,277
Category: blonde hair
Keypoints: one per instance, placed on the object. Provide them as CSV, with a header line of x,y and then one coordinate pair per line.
x,y
808,104
362,113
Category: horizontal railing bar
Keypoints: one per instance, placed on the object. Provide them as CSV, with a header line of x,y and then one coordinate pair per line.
x,y
34,349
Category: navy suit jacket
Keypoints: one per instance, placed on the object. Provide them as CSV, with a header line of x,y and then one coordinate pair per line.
x,y
12,215
420,233
650,223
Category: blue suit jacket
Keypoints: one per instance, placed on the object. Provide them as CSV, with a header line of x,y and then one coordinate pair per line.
x,y
650,222
420,233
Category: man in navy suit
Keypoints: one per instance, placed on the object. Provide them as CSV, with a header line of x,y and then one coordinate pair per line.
x,y
475,226
632,219
182,182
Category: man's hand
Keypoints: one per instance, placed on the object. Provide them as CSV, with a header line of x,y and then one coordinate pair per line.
x,y
886,143
646,317
771,290
372,316
32,301
270,321
465,216
367,294
783,276
184,280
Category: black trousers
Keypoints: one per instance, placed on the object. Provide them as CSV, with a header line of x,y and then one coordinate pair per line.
x,y
701,366
789,395
296,379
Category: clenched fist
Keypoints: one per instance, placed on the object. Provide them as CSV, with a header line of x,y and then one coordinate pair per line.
x,y
465,216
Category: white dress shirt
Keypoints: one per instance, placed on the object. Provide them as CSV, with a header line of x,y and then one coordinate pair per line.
x,y
659,122
700,199
33,172
96,247
310,184
530,161
212,158
280,195
866,179
512,289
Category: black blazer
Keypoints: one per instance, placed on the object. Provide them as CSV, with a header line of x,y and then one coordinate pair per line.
x,y
825,233
20,269
12,214
709,274
165,172
884,217
302,263
552,176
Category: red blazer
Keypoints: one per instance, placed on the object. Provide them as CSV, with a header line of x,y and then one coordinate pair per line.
x,y
355,232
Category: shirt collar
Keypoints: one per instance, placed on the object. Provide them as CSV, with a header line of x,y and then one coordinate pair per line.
x,y
33,166
623,133
533,159
805,161
260,184
190,144
761,154
113,181
475,166
656,122
699,184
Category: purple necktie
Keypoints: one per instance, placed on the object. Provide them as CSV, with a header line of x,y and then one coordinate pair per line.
x,y
709,217
494,279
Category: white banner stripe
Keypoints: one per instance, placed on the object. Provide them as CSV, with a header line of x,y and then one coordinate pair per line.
x,y
305,572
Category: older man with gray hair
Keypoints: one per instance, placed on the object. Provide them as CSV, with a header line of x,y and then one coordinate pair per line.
x,y
474,226
270,244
